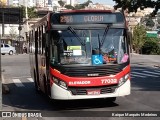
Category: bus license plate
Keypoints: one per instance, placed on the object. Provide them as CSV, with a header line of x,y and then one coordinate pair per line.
x,y
93,92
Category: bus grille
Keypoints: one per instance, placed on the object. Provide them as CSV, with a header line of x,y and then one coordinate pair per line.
x,y
83,91
90,71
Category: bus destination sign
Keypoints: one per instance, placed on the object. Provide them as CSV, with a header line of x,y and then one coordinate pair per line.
x,y
88,18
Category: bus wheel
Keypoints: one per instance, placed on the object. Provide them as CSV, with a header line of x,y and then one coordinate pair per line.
x,y
45,85
35,84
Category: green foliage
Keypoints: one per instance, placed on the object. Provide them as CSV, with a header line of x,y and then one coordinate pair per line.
x,y
133,5
83,5
31,12
139,36
79,6
69,7
150,23
12,33
151,46
61,3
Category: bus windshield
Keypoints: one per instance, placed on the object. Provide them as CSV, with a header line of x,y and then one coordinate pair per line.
x,y
78,46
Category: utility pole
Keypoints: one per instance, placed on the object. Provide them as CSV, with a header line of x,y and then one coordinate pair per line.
x,y
0,82
0,62
19,29
26,10
27,26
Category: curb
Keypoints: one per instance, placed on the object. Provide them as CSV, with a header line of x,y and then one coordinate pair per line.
x,y
5,88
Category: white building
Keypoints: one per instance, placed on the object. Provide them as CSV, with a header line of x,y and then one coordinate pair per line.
x,y
29,3
71,2
15,2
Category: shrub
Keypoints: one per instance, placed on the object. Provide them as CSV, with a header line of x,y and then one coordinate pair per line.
x,y
151,46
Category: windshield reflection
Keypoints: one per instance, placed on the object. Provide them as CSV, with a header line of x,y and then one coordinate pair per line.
x,y
92,47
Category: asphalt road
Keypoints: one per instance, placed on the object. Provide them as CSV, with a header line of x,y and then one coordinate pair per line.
x,y
22,97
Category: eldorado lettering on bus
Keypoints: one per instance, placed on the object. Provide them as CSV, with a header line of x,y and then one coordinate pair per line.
x,y
79,82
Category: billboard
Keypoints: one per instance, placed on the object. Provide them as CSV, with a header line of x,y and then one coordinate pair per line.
x,y
11,15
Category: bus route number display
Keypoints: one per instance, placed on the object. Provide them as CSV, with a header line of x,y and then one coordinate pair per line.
x,y
82,19
66,19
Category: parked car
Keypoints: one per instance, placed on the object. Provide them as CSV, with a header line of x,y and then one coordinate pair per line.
x,y
7,49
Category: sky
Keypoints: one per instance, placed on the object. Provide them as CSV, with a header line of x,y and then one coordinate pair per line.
x,y
108,2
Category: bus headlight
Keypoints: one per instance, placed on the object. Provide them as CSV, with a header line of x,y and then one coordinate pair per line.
x,y
63,84
59,82
123,79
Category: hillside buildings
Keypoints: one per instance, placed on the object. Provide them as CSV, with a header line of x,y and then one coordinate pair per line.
x,y
132,18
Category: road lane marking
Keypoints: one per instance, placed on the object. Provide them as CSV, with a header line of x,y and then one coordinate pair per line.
x,y
152,72
21,77
30,79
137,76
144,74
157,71
18,83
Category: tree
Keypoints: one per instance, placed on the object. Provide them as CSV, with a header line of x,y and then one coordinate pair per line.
x,y
139,36
69,7
31,12
150,23
61,3
12,33
83,5
151,46
133,5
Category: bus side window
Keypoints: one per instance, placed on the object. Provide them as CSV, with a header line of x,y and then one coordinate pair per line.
x,y
36,42
53,51
43,43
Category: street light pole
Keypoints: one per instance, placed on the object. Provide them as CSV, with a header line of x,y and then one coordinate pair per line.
x,y
27,26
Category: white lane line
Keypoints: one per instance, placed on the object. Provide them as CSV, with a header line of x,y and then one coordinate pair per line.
x,y
30,79
18,83
144,74
138,76
155,73
21,77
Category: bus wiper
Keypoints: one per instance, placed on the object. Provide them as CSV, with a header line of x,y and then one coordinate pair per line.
x,y
104,36
99,44
75,34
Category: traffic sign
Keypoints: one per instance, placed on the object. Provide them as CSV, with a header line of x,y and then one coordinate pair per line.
x,y
152,34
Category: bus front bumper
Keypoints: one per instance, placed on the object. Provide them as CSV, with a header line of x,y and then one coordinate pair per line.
x,y
63,94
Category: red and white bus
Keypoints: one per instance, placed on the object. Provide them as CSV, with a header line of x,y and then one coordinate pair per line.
x,y
81,54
